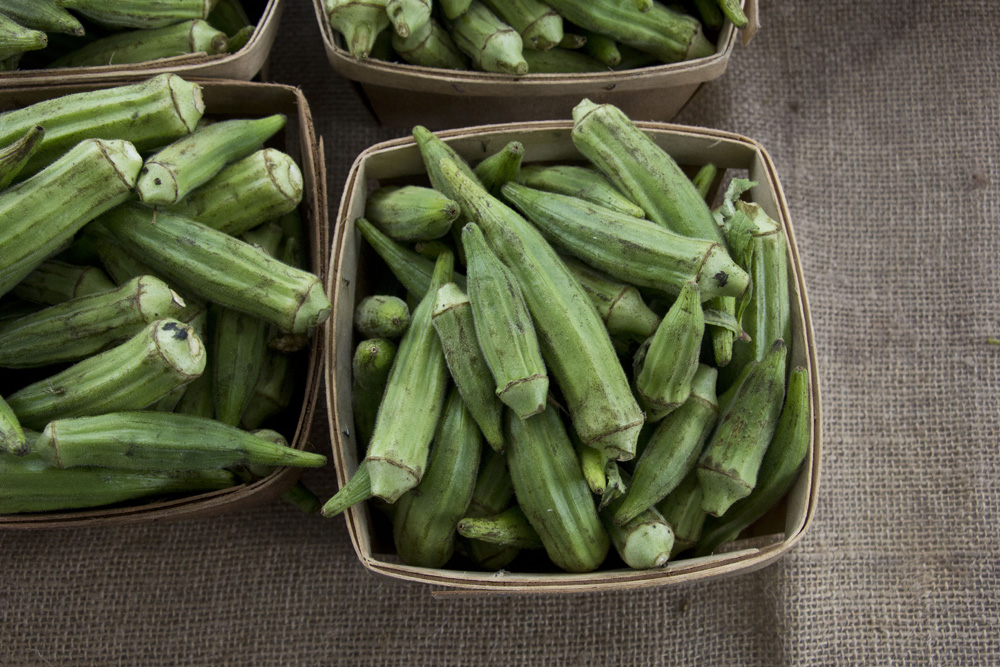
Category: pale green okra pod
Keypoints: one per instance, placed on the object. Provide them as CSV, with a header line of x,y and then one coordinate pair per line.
x,y
491,44
411,212
359,21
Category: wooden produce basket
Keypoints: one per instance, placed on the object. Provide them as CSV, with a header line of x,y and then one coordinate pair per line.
x,y
355,266
241,66
403,95
236,99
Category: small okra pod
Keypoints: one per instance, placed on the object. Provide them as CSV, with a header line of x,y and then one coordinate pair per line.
x,y
43,15
409,267
161,441
491,44
172,173
682,510
602,49
645,541
572,41
453,320
413,400
431,249
663,381
632,250
562,61
734,12
619,305
54,282
704,178
504,328
593,466
408,16
12,440
86,325
582,182
358,489
492,494
510,528
426,517
540,26
16,155
502,166
237,41
139,46
229,16
429,46
372,362
732,458
411,212
359,21
382,316
140,13
673,449
778,470
273,391
15,38
164,355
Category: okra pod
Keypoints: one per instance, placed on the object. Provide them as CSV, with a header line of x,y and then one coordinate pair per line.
x,y
432,151
732,10
581,182
16,38
239,342
16,155
237,41
491,44
540,26
429,46
619,305
562,61
12,440
491,495
53,282
372,362
502,166
454,8
509,528
703,180
382,316
409,267
272,393
643,542
411,212
602,49
229,16
682,510
139,46
357,489
43,15
572,41
729,465
140,13
407,16
160,441
359,21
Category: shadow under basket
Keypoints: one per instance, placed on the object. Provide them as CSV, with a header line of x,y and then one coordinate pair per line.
x,y
226,99
403,95
355,269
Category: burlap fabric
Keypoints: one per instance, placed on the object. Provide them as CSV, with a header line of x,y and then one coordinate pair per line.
x,y
882,119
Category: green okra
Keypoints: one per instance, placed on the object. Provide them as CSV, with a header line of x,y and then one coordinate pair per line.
x,y
43,15
408,16
272,393
236,42
357,489
413,400
491,496
197,400
602,49
669,35
139,46
634,251
173,172
562,61
265,185
491,44
229,16
299,496
682,510
169,401
432,151
40,215
641,170
453,320
409,267
504,328
733,11
15,38
729,465
644,541
668,365
239,342
410,212
540,26
779,468
502,166
164,355
593,465
509,528
709,13
16,155
140,13
160,441
382,316
12,440
552,492
266,237
581,182
294,249
147,114
31,484
704,178
430,45
673,449
431,249
619,305
634,58
572,41
575,344
727,396
454,8
220,268
426,516
359,21
80,327
53,282
372,362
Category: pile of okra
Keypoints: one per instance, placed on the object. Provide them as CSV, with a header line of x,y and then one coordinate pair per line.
x,y
37,34
574,357
520,37
155,300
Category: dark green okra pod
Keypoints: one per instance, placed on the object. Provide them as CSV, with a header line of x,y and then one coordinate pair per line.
x,y
682,510
491,496
54,282
382,316
410,212
509,528
273,391
644,541
562,61
409,267
139,46
43,15
373,359
502,166
239,342
139,13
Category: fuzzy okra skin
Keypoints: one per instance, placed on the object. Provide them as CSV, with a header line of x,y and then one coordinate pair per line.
x,y
164,355
382,316
574,341
12,440
729,465
148,115
582,182
491,44
54,282
16,155
540,26
139,46
220,268
504,328
413,400
433,150
509,528
44,15
140,13
453,320
635,251
429,46
41,215
172,173
357,489
552,492
373,359
408,16
426,517
411,212
83,326
619,305
359,21
160,441
15,38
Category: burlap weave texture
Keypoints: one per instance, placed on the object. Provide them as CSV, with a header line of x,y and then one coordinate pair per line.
x,y
882,120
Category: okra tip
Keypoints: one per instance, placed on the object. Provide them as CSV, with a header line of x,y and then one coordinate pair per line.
x,y
648,546
390,479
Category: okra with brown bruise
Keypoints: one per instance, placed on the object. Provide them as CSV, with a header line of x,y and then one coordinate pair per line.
x,y
491,44
411,212
359,21
54,282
